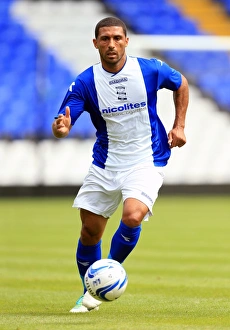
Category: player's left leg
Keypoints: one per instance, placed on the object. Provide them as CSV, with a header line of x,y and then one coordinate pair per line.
x,y
140,190
128,232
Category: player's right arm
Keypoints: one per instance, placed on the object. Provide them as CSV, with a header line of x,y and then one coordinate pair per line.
x,y
62,124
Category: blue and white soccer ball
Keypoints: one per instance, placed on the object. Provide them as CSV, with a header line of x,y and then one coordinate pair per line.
x,y
106,280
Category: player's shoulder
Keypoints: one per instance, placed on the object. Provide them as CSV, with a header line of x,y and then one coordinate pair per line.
x,y
153,62
85,75
82,80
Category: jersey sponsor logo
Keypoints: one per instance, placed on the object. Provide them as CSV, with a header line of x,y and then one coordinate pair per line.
x,y
124,107
117,81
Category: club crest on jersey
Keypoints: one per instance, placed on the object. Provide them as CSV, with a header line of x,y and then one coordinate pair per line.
x,y
121,93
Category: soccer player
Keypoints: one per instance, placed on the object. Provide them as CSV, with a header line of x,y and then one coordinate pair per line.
x,y
131,148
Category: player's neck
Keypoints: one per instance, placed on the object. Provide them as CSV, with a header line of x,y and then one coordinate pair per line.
x,y
114,67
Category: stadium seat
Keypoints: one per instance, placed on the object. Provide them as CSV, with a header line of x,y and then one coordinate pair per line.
x,y
225,4
38,81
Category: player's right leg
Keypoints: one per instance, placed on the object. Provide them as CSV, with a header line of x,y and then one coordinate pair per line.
x,y
97,199
86,303
88,251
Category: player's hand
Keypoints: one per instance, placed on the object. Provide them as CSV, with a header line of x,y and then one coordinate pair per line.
x,y
176,137
62,124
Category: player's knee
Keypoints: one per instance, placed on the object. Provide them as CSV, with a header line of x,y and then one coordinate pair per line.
x,y
89,235
133,219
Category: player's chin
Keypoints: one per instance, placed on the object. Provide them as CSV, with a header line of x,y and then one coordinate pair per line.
x,y
112,58
61,131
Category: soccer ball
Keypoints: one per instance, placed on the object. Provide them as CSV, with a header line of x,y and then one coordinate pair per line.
x,y
106,280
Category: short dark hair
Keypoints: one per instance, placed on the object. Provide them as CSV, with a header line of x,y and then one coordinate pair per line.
x,y
110,21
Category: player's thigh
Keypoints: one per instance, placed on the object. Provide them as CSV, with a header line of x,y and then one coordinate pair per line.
x,y
143,184
134,212
98,193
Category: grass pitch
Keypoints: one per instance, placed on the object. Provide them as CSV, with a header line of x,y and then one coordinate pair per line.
x,y
179,274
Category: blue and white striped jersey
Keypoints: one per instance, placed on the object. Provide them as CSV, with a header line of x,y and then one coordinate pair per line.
x,y
122,107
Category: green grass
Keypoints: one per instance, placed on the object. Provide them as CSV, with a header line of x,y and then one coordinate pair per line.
x,y
179,274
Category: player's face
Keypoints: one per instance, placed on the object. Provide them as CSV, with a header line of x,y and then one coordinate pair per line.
x,y
111,43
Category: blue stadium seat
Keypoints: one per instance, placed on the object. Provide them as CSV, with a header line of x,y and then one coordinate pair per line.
x,y
32,84
225,4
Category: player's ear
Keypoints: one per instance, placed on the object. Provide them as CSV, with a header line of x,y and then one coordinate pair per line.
x,y
95,43
126,42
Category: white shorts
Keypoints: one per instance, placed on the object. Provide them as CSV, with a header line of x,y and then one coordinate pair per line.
x,y
103,190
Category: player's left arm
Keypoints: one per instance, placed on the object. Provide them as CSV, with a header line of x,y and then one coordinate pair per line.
x,y
176,136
